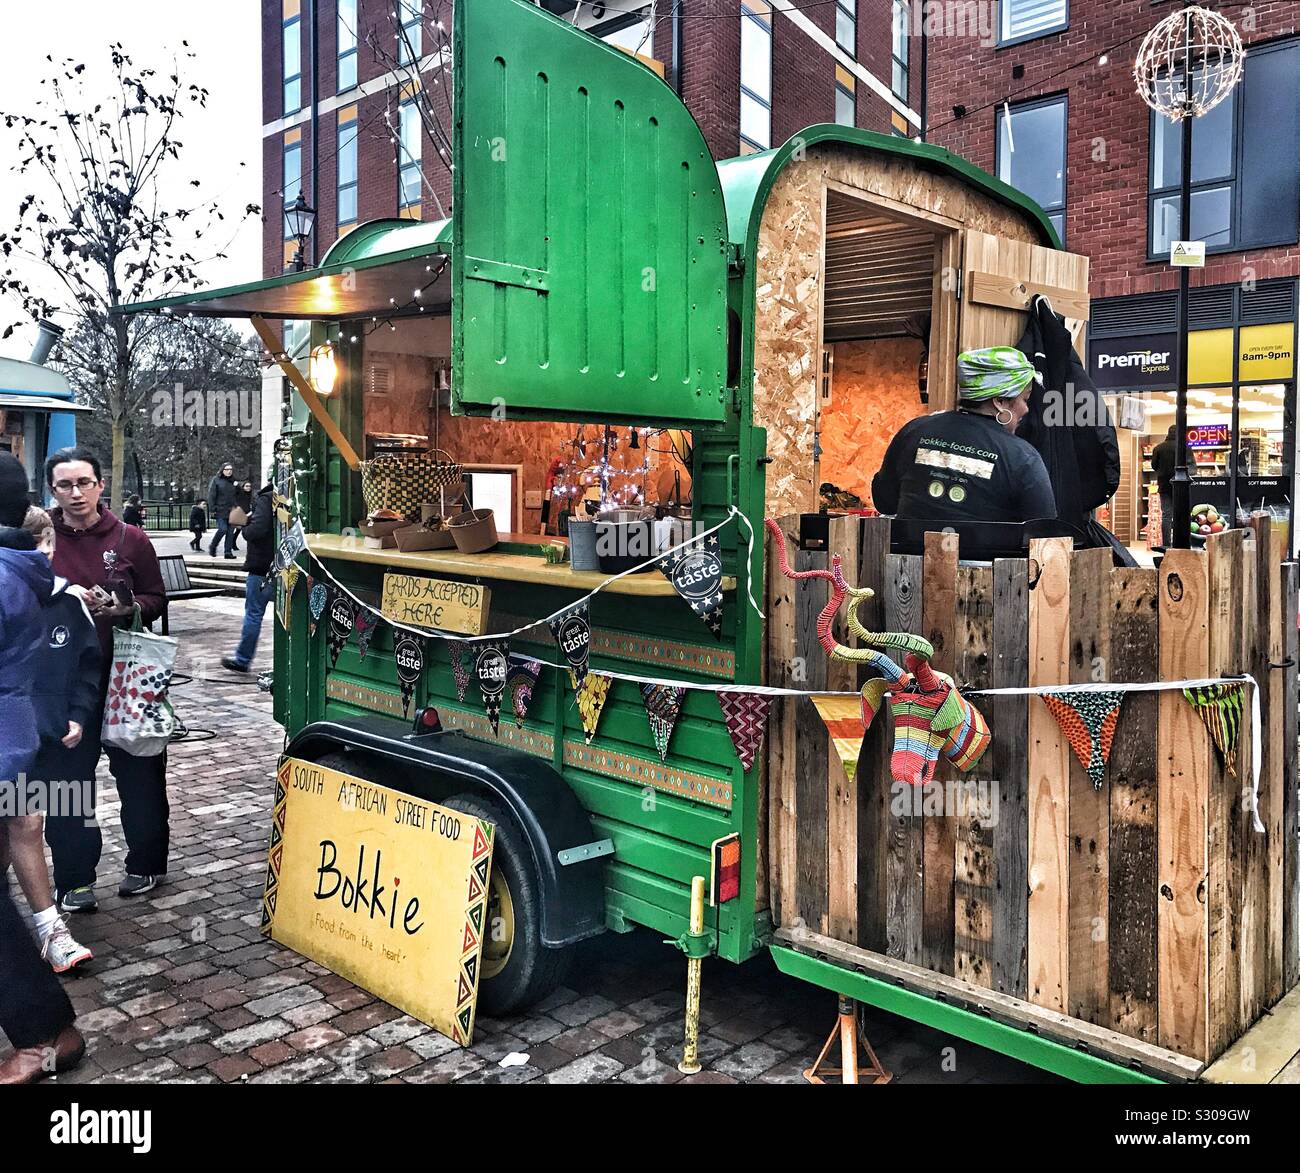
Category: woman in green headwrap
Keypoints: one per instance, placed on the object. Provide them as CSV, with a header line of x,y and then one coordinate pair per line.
x,y
967,465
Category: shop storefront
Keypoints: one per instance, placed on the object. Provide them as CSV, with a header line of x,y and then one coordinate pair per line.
x,y
1241,402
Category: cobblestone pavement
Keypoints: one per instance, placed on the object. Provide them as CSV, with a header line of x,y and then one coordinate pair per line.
x,y
184,989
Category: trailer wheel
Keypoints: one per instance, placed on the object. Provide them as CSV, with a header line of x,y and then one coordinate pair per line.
x,y
516,969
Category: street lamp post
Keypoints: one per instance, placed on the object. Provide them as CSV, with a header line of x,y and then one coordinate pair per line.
x,y
299,217
1166,81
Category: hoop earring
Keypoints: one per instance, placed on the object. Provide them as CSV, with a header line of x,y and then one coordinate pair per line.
x,y
1003,416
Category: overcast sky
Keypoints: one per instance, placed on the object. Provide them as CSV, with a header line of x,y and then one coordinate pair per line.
x,y
226,38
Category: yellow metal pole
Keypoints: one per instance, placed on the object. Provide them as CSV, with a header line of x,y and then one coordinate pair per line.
x,y
690,1063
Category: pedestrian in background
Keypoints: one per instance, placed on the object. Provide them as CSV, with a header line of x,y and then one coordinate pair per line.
x,y
133,513
198,523
35,1013
259,588
95,549
1163,462
221,500
63,692
242,511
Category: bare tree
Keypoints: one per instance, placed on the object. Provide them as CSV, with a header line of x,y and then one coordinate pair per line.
x,y
95,222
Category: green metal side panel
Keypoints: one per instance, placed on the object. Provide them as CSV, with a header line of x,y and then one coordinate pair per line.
x,y
589,234
954,1020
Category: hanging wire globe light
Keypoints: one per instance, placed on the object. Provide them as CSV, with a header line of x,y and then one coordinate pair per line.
x,y
1215,61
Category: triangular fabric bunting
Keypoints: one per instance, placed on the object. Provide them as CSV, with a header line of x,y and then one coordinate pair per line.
x,y
695,570
460,664
343,618
572,632
521,678
1219,707
746,716
291,545
366,625
663,705
1087,718
490,668
318,597
284,589
591,695
408,653
842,716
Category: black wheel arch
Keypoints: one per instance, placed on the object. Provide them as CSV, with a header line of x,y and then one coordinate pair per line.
x,y
436,766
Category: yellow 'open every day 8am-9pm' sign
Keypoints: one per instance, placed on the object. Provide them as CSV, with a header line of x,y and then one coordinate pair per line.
x,y
437,603
384,889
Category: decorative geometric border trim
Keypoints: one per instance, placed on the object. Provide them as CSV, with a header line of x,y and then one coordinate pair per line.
x,y
644,772
475,929
476,725
275,849
364,696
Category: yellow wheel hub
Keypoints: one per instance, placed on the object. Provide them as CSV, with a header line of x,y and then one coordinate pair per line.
x,y
500,937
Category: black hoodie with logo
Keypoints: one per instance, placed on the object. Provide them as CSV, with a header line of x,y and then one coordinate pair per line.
x,y
67,666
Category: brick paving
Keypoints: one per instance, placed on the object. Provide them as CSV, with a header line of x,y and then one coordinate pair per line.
x,y
184,989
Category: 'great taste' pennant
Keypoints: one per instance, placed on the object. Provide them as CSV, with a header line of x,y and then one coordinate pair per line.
x,y
520,680
746,716
318,597
695,570
591,696
1088,719
408,653
842,716
572,631
343,618
663,705
1219,707
490,668
459,652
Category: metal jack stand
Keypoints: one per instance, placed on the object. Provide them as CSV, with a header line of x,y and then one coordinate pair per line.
x,y
848,1031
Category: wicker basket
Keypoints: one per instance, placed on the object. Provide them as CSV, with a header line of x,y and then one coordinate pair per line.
x,y
401,481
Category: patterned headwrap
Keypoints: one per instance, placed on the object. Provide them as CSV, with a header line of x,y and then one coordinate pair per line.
x,y
995,372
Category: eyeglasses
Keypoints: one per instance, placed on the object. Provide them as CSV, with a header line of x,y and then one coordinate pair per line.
x,y
67,486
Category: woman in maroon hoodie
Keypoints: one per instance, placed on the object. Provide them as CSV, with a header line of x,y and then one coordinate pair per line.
x,y
95,548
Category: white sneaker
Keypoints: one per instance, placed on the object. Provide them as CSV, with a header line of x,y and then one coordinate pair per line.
x,y
61,951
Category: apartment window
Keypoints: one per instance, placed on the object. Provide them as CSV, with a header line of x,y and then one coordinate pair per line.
x,y
1023,20
755,76
347,167
899,48
291,41
410,19
408,176
1031,154
347,37
291,173
846,99
846,26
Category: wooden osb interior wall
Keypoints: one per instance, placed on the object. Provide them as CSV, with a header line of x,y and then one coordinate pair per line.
x,y
787,344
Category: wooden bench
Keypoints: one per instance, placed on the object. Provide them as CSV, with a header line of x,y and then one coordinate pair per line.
x,y
176,582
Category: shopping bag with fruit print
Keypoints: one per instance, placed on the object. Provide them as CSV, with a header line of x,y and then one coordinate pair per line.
x,y
138,717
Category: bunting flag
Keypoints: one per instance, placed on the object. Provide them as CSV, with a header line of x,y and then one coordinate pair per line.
x,y
291,545
366,625
1088,719
318,597
460,660
572,632
663,705
520,679
408,653
343,618
591,696
284,588
746,716
842,717
1219,707
695,570
490,668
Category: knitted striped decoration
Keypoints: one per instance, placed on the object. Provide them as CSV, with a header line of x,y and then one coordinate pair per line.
x,y
1219,706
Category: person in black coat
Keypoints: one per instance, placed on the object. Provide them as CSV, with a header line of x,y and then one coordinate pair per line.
x,y
259,536
1164,461
133,513
198,523
221,500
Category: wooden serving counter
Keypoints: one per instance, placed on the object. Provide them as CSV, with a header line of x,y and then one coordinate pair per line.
x,y
505,564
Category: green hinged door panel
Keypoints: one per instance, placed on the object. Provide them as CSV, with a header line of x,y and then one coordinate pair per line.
x,y
589,251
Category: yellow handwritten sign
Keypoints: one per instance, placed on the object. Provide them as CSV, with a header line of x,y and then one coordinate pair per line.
x,y
384,889
436,603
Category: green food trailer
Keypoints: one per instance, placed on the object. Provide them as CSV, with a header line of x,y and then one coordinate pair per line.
x,y
748,324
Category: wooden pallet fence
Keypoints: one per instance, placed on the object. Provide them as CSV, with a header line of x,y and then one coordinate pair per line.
x,y
1149,907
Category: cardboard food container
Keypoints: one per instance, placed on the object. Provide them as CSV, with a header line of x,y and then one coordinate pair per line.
x,y
419,537
475,531
381,527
